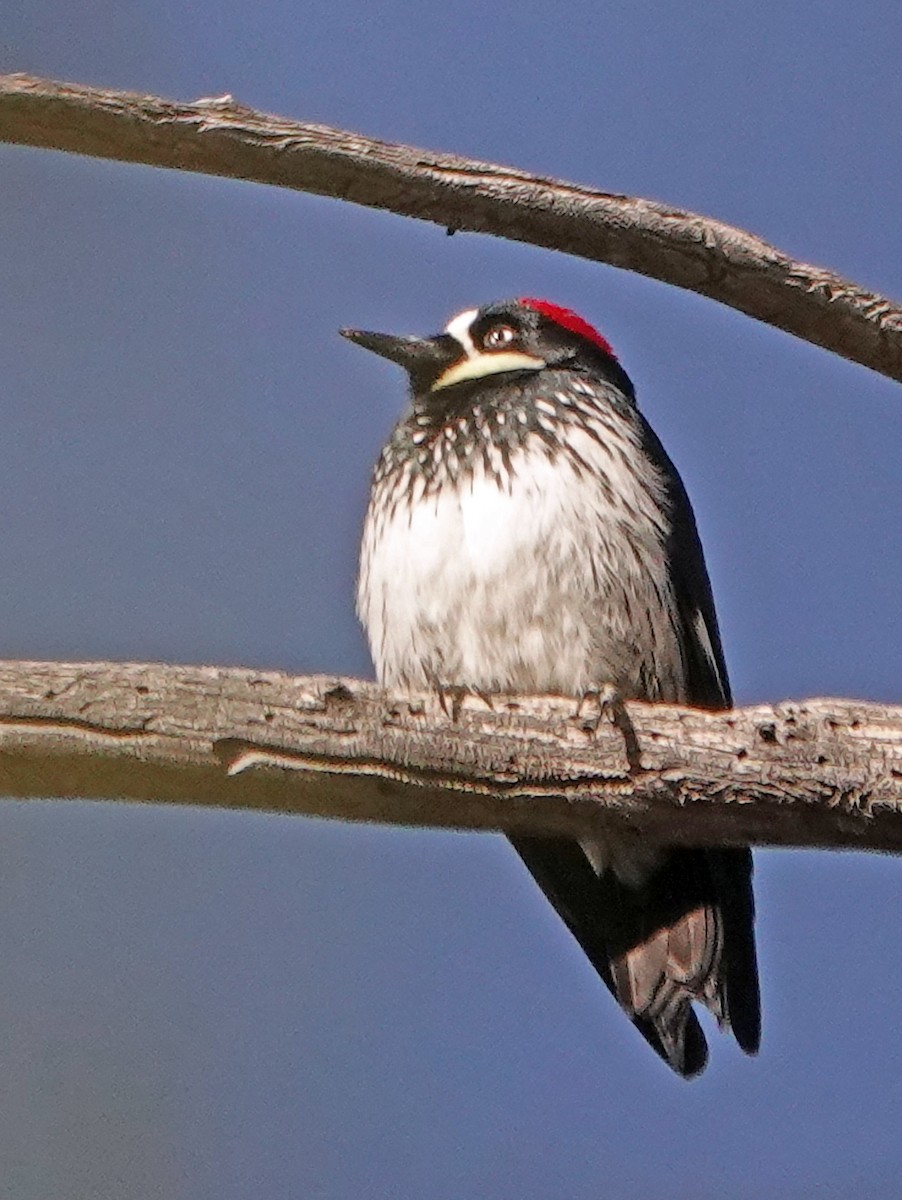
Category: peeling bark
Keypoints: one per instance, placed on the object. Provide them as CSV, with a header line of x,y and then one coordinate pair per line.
x,y
815,773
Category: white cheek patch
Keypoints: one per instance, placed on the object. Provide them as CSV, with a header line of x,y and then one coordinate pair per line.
x,y
477,366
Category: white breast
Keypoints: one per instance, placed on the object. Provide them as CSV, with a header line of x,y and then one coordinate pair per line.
x,y
497,586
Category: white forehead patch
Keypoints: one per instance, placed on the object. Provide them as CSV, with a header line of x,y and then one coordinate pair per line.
x,y
459,329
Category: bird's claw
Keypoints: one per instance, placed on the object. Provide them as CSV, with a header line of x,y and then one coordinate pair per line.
x,y
610,705
451,698
607,703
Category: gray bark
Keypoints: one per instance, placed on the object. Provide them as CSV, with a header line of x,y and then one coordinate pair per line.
x,y
816,773
220,137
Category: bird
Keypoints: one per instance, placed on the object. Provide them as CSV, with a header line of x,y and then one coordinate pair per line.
x,y
527,533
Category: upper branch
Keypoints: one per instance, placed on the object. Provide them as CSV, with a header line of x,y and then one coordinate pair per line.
x,y
819,773
220,137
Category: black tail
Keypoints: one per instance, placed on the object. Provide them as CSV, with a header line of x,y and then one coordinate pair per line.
x,y
686,933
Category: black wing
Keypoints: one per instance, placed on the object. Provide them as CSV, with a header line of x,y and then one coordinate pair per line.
x,y
684,934
686,931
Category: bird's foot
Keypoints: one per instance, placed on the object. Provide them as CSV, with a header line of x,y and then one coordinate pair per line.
x,y
609,705
451,698
598,704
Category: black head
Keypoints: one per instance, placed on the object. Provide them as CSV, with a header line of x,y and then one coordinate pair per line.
x,y
513,337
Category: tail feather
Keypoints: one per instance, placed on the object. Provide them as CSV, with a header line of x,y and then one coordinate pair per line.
x,y
684,934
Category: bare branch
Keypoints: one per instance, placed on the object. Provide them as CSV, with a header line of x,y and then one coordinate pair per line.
x,y
220,137
819,773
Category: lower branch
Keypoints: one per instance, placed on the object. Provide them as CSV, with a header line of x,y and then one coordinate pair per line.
x,y
817,773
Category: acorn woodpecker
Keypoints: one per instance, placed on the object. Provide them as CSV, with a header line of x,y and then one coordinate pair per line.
x,y
527,533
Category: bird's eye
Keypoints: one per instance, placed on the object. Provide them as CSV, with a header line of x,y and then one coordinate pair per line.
x,y
499,336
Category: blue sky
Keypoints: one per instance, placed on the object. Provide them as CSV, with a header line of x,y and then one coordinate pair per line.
x,y
230,1005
